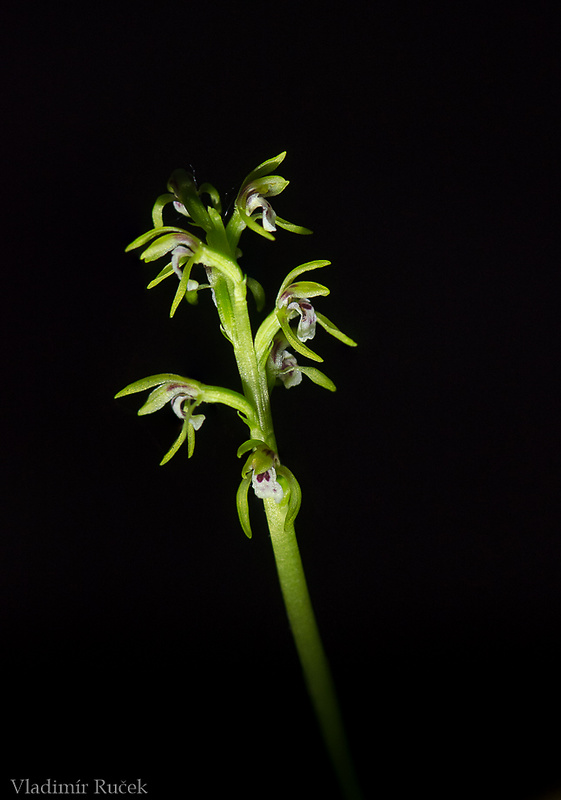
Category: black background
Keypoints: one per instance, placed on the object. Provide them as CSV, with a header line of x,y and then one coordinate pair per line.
x,y
143,634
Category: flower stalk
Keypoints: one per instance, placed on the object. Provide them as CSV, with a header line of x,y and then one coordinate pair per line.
x,y
264,361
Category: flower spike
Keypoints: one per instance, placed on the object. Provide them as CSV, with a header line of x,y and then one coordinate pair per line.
x,y
265,360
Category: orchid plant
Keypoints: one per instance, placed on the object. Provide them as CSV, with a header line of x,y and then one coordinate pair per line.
x,y
264,360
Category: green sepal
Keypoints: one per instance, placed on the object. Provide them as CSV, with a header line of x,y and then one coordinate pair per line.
x,y
162,246
270,186
265,168
331,328
306,289
260,460
242,505
164,273
250,444
289,226
156,380
190,440
182,288
151,234
178,442
317,376
157,210
292,338
257,291
295,495
308,266
155,400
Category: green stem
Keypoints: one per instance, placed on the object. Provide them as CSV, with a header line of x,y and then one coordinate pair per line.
x,y
315,666
254,381
313,659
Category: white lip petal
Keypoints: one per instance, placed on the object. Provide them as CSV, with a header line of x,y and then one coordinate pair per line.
x,y
268,217
266,485
177,253
308,319
197,420
289,373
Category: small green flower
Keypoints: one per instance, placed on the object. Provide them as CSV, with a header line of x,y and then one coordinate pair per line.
x,y
295,301
184,395
282,365
270,480
261,467
251,202
259,470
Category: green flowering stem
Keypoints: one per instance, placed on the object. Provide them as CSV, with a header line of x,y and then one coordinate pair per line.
x,y
313,659
263,362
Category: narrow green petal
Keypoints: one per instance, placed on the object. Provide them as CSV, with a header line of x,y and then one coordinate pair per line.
x,y
190,440
307,267
289,226
334,330
149,235
265,168
307,289
293,339
178,442
318,377
243,506
182,288
154,380
156,400
164,273
270,186
250,444
160,247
